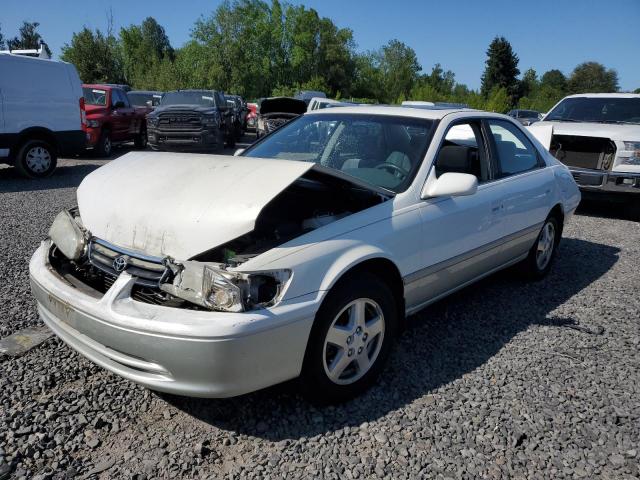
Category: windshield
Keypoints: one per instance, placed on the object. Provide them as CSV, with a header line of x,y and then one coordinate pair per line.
x,y
598,109
141,99
94,96
384,151
528,114
188,98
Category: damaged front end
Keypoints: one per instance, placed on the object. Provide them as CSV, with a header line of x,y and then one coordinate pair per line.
x,y
213,279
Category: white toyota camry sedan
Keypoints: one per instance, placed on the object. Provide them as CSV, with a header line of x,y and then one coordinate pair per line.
x,y
214,276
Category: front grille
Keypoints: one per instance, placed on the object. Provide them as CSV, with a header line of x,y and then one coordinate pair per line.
x,y
149,271
275,123
180,121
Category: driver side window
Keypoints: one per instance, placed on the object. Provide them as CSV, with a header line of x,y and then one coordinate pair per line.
x,y
462,151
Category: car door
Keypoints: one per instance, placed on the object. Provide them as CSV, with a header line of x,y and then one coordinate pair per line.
x,y
461,235
527,185
121,116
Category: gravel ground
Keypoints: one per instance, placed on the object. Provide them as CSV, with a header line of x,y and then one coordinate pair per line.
x,y
502,380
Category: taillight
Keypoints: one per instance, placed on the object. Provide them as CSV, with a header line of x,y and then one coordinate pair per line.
x,y
83,113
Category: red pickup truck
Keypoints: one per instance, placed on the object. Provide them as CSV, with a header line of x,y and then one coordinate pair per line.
x,y
112,119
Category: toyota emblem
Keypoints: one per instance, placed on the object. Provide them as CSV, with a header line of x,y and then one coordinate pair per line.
x,y
120,263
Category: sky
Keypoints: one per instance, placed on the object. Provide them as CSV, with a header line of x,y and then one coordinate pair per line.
x,y
545,34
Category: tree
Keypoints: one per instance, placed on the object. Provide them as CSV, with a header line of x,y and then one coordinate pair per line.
x,y
144,47
399,68
593,77
28,38
498,100
554,79
637,90
1,38
501,69
96,56
529,83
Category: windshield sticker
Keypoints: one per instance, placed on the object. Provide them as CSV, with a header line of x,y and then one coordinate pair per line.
x,y
207,98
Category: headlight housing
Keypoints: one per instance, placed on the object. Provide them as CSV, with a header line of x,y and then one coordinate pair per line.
x,y
210,120
631,153
93,123
153,121
68,236
231,292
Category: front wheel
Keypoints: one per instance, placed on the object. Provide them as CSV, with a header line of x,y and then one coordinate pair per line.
x,y
104,147
141,140
350,340
538,262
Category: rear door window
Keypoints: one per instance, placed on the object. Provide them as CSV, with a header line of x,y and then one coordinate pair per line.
x,y
516,154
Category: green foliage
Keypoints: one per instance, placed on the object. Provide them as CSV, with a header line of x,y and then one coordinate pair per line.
x,y
554,79
28,38
498,100
97,57
501,69
592,77
637,90
1,38
144,47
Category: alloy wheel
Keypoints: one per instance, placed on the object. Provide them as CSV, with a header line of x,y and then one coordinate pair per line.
x,y
546,243
353,341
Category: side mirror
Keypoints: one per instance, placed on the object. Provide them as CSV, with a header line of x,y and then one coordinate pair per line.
x,y
118,104
238,152
149,103
450,185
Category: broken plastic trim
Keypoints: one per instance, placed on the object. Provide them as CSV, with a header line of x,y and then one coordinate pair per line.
x,y
211,286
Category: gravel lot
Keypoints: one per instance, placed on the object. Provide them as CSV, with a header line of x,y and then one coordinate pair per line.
x,y
502,380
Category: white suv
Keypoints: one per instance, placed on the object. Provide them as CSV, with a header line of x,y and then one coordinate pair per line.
x,y
41,113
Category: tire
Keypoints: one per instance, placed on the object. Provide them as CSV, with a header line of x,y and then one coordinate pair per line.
x,y
543,252
361,343
141,140
36,159
220,141
104,147
231,140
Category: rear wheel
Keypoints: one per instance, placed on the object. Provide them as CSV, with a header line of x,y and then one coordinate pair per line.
x,y
36,159
543,251
350,340
104,147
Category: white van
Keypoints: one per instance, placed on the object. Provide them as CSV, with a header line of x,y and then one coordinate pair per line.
x,y
41,113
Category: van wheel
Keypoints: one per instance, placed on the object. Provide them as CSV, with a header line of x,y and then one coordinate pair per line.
x,y
104,147
141,140
350,340
543,251
36,159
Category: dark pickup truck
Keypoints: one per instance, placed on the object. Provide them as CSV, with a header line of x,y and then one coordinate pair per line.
x,y
191,120
111,119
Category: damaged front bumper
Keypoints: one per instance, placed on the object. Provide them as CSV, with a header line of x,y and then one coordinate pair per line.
x,y
180,351
606,181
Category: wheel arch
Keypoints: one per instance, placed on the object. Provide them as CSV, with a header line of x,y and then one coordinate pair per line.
x,y
558,212
35,133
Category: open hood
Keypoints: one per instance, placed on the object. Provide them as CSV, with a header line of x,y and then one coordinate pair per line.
x,y
180,204
282,105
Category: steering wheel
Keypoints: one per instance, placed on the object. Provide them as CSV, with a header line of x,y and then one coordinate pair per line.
x,y
395,169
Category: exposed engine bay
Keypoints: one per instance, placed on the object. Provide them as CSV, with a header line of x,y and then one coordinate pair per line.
x,y
583,152
312,201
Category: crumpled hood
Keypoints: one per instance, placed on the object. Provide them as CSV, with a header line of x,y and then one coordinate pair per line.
x,y
180,204
619,132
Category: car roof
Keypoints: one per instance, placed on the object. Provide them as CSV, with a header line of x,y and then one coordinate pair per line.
x,y
605,95
430,114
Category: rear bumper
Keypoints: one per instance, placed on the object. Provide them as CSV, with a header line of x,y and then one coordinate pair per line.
x,y
179,351
202,140
606,181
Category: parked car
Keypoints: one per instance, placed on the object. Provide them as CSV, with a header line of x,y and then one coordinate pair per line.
x,y
252,116
276,111
112,119
194,120
318,103
240,110
41,113
222,275
145,98
598,137
307,95
525,117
